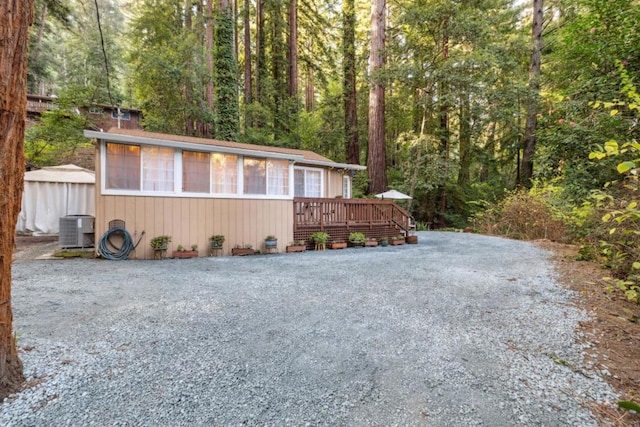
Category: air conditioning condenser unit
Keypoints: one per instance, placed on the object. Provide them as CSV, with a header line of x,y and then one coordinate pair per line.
x,y
76,231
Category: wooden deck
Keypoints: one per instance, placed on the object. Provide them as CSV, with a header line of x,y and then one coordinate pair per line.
x,y
339,217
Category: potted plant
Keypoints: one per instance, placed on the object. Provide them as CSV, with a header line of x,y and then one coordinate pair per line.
x,y
384,241
181,252
320,238
159,245
357,239
216,241
296,246
411,239
396,240
241,250
371,242
338,244
270,242
215,244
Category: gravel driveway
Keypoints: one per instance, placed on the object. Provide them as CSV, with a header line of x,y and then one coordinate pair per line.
x,y
460,329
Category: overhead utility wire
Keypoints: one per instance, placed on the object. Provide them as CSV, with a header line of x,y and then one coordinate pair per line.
x,y
104,53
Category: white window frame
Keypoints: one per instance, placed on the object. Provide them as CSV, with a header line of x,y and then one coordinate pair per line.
x,y
346,185
305,169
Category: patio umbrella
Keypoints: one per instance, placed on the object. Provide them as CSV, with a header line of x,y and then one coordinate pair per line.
x,y
394,195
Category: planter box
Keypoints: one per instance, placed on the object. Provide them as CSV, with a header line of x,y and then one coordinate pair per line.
x,y
396,242
296,248
371,243
411,240
338,245
242,251
184,254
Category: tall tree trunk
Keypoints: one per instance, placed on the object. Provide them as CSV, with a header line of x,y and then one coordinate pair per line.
x,y
209,22
292,54
187,84
464,175
279,68
261,59
15,18
488,168
226,75
377,158
293,104
310,90
349,81
534,90
37,85
444,129
248,83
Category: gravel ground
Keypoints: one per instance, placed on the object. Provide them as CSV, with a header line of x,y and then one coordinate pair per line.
x,y
460,329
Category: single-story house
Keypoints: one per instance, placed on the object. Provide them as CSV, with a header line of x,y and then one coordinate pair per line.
x,y
191,188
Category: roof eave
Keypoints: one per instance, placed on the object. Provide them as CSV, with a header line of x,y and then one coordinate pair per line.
x,y
334,165
116,137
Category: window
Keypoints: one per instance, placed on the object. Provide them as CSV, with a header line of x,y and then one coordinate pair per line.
x,y
157,169
255,176
124,115
195,172
95,110
307,182
224,173
269,177
346,187
277,177
122,167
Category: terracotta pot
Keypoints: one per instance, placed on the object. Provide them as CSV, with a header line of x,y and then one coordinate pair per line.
x,y
411,240
296,248
242,251
396,242
184,254
338,245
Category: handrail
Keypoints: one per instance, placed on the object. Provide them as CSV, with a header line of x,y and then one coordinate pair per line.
x,y
310,212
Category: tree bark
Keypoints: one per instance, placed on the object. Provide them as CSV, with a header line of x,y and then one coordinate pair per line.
x,y
15,18
377,158
444,130
261,58
293,51
310,90
464,174
531,125
187,84
349,81
248,84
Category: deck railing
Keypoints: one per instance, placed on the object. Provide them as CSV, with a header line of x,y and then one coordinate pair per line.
x,y
326,213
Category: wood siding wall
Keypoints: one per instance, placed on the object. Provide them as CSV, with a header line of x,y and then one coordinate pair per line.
x,y
191,221
333,183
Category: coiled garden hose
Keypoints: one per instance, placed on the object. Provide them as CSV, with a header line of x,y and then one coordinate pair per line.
x,y
110,251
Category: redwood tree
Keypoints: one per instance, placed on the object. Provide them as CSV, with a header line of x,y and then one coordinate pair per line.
x,y
377,158
349,80
15,18
534,89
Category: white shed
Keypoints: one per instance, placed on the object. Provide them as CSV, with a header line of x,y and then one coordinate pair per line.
x,y
53,192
